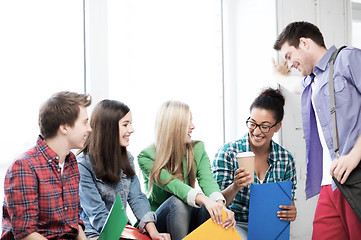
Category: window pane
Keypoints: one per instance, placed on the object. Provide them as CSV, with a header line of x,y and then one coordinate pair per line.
x,y
41,48
162,50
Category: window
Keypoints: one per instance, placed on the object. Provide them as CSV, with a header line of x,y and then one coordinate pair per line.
x,y
167,50
356,23
41,53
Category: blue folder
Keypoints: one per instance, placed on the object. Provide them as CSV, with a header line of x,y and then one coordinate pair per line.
x,y
265,200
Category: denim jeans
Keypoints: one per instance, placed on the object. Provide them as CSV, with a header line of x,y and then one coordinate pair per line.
x,y
242,229
178,218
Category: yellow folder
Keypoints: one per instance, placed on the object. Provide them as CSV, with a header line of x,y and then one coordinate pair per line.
x,y
212,231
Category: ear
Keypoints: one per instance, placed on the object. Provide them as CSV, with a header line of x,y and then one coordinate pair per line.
x,y
304,43
63,129
278,127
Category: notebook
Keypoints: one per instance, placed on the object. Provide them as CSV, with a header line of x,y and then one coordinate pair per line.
x,y
115,223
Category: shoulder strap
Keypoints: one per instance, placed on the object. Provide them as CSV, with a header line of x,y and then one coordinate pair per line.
x,y
336,142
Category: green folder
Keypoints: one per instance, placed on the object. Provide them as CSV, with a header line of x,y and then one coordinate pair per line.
x,y
115,223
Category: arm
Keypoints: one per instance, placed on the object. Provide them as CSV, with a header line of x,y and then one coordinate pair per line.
x,y
290,212
224,170
141,209
343,166
204,173
154,234
216,201
81,234
241,180
35,236
282,75
139,204
91,200
175,186
20,188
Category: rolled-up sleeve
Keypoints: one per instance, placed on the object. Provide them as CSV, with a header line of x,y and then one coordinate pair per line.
x,y
21,197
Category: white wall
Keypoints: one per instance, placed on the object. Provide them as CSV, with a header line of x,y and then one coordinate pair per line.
x,y
332,17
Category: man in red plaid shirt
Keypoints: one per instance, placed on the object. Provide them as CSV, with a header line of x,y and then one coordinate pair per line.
x,y
41,186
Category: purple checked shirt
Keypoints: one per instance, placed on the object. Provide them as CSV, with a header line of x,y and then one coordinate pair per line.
x,y
347,79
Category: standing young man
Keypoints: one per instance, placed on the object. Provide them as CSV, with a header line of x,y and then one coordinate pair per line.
x,y
42,185
303,47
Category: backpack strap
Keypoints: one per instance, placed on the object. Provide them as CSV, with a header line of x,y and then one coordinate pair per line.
x,y
336,142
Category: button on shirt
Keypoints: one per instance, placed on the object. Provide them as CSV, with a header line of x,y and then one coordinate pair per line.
x,y
37,197
347,81
282,168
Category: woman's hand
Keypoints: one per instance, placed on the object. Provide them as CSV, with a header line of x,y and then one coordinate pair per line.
x,y
213,208
242,179
154,234
229,221
289,214
160,236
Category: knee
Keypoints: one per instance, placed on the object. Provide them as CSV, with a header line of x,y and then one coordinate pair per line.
x,y
177,206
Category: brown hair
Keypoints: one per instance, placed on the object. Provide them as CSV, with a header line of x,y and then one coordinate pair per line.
x,y
60,109
103,143
171,130
294,31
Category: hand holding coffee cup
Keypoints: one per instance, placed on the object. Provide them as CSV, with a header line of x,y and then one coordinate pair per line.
x,y
246,161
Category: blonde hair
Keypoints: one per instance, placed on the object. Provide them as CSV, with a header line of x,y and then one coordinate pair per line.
x,y
172,126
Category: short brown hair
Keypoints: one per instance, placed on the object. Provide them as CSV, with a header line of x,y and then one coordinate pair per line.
x,y
61,108
294,31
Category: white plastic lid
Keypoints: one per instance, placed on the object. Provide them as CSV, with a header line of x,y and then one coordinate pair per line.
x,y
245,154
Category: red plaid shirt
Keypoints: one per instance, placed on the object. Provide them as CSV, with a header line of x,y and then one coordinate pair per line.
x,y
38,198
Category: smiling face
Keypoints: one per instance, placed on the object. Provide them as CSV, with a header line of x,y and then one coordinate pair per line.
x,y
298,58
257,138
78,133
190,129
125,129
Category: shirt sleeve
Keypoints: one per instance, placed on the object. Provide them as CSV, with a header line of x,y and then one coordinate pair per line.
x,y
175,186
223,167
21,187
290,175
91,200
204,173
353,67
139,204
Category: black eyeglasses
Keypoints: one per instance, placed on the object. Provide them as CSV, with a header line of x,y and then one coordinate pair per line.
x,y
264,128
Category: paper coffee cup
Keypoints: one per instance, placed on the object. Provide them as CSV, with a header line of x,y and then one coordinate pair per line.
x,y
246,160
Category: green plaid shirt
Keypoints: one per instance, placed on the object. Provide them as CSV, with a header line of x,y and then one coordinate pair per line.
x,y
282,168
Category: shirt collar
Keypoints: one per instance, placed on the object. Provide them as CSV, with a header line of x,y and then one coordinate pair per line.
x,y
271,156
49,153
320,66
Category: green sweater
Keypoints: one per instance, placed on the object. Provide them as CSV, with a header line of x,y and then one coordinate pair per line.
x,y
177,187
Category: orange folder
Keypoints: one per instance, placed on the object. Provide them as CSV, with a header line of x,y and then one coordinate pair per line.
x,y
212,231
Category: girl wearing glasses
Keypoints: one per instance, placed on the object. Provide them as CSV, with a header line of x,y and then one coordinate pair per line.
x,y
171,168
273,163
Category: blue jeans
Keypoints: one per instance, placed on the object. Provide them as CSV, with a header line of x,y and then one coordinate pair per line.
x,y
178,218
242,229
